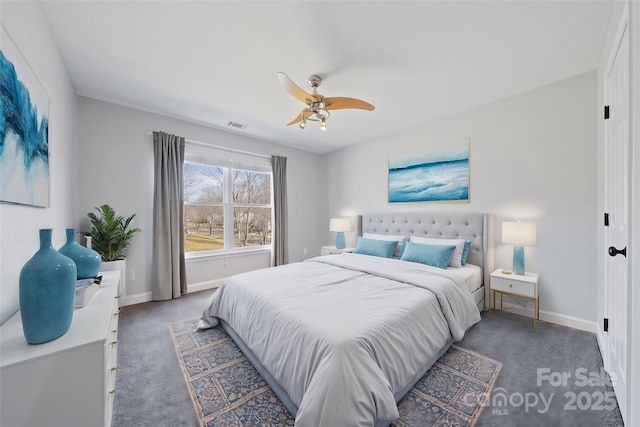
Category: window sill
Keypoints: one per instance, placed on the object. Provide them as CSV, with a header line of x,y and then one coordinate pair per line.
x,y
194,257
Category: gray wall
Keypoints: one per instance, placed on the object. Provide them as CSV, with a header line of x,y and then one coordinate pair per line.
x,y
116,163
19,225
532,157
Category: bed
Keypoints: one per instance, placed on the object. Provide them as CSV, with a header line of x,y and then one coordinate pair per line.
x,y
341,338
468,226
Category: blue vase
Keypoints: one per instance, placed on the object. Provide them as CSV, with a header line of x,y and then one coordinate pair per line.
x,y
518,260
87,260
47,293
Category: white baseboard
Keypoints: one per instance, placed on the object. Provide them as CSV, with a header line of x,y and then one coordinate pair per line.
x,y
558,319
602,343
194,287
209,284
135,299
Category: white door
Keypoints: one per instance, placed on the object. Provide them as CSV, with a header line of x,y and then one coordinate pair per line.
x,y
616,190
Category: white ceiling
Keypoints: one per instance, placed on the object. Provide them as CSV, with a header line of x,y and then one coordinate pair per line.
x,y
212,62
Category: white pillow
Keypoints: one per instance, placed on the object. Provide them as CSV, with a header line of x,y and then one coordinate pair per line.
x,y
387,237
456,258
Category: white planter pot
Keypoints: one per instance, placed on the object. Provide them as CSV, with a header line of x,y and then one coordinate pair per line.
x,y
117,265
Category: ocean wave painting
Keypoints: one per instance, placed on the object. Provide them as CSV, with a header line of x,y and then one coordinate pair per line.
x,y
24,131
440,175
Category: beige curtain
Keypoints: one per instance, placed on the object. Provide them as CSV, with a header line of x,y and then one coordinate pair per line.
x,y
168,274
279,173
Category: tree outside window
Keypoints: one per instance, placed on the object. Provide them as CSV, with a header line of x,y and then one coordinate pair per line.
x,y
225,208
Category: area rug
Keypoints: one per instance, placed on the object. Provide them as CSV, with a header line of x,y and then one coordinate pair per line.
x,y
227,391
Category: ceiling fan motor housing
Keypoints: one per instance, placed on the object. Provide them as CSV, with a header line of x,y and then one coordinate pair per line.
x,y
314,81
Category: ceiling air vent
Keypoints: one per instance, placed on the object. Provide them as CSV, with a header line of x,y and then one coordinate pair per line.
x,y
236,125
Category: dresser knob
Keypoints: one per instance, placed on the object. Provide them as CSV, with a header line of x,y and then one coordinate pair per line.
x,y
510,285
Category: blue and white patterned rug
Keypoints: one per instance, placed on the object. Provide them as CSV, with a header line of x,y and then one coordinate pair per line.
x,y
227,391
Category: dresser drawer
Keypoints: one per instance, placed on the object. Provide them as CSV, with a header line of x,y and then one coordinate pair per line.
x,y
111,351
110,373
113,322
111,361
111,348
513,287
68,381
109,397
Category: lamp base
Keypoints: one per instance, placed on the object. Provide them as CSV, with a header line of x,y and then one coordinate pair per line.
x,y
518,260
340,243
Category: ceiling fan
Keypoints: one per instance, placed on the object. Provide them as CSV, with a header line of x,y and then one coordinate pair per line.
x,y
318,106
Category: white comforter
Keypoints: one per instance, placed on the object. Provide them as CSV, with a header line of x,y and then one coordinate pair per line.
x,y
343,333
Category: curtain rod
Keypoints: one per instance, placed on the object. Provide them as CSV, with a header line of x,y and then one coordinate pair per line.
x,y
220,147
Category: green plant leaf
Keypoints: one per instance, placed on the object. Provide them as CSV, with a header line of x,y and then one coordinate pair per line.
x,y
110,233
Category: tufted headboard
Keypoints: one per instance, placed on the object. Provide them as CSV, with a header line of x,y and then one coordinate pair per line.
x,y
468,226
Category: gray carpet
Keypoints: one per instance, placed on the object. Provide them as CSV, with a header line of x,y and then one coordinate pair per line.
x,y
561,351
151,391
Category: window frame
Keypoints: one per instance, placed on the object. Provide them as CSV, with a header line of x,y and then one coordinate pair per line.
x,y
227,203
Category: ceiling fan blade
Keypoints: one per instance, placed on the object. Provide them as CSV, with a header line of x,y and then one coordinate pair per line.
x,y
298,119
339,103
294,89
306,113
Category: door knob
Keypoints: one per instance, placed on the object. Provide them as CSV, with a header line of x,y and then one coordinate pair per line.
x,y
614,251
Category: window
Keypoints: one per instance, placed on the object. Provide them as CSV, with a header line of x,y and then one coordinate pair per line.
x,y
227,200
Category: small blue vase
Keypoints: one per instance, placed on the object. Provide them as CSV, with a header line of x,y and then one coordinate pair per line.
x,y
47,293
87,260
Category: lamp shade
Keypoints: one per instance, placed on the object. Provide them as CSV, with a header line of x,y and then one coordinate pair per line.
x,y
340,224
519,233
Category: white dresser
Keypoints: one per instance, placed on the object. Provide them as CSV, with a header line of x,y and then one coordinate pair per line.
x,y
69,381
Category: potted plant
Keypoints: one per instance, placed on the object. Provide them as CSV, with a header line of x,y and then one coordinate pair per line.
x,y
111,234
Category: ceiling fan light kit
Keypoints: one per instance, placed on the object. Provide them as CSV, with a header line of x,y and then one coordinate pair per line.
x,y
318,106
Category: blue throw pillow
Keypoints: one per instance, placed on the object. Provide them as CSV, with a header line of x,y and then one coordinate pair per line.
x,y
465,252
433,255
381,248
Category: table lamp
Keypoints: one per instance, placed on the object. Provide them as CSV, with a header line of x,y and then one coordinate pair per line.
x,y
519,234
340,225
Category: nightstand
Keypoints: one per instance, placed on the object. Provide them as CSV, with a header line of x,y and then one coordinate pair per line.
x,y
521,286
332,250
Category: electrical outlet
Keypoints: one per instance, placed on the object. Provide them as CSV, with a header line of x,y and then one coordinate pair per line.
x,y
132,275
305,251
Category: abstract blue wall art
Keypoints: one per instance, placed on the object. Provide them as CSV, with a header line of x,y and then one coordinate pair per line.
x,y
440,174
24,131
